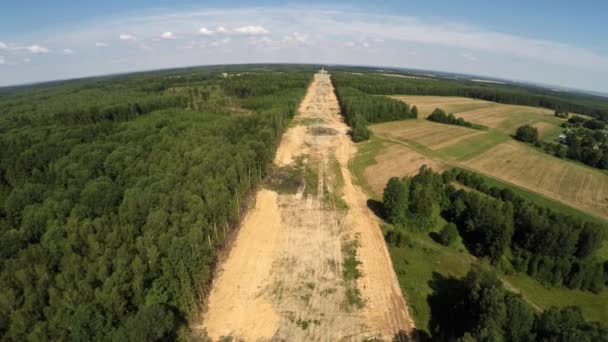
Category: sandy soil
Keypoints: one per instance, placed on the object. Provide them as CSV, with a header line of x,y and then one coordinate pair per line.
x,y
236,301
283,278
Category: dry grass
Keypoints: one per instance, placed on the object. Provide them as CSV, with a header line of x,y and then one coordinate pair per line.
x,y
569,182
452,104
503,118
396,161
432,135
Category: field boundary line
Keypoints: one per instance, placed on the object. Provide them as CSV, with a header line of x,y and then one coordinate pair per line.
x,y
455,164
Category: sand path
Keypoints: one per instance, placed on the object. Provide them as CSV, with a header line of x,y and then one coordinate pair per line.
x,y
283,277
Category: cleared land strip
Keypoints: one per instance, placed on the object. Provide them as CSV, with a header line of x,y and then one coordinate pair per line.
x,y
287,275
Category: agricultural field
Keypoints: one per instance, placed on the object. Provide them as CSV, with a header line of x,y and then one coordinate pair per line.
x,y
501,117
493,152
569,182
399,148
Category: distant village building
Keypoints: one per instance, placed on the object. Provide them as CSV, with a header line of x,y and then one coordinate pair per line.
x,y
562,138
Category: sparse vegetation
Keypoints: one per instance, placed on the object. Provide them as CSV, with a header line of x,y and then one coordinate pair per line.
x,y
350,274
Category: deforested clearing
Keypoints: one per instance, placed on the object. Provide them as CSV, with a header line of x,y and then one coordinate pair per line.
x,y
569,182
324,272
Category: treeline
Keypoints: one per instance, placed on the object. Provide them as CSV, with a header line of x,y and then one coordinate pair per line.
x,y
479,308
119,112
439,115
554,248
388,85
580,143
109,229
360,108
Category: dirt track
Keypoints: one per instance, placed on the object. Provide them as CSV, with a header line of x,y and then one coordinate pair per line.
x,y
283,278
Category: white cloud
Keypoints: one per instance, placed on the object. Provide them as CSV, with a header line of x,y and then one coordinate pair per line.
x,y
167,35
469,56
101,44
251,30
298,37
205,31
68,51
439,44
125,36
3,46
27,60
2,60
37,49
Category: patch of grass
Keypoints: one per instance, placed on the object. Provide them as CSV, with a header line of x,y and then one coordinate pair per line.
x,y
593,306
471,147
311,176
353,298
350,265
306,122
333,197
350,274
365,157
327,292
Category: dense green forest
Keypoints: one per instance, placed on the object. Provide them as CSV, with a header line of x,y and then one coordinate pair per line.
x,y
479,308
116,193
509,233
360,108
496,224
372,82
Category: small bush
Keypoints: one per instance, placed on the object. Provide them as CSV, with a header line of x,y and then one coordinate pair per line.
x,y
448,234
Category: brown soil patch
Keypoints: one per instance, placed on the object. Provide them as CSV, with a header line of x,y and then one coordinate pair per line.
x,y
397,161
297,292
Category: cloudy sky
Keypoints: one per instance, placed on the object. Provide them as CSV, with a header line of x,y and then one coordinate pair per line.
x,y
553,42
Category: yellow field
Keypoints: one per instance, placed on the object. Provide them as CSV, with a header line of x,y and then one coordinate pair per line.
x,y
569,182
503,118
492,152
432,135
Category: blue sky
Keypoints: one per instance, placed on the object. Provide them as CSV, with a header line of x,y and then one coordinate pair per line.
x,y
553,42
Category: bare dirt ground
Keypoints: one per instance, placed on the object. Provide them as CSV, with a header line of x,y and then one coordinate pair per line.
x,y
283,279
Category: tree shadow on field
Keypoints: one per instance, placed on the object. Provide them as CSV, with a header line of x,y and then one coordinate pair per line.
x,y
376,207
434,236
445,303
416,335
